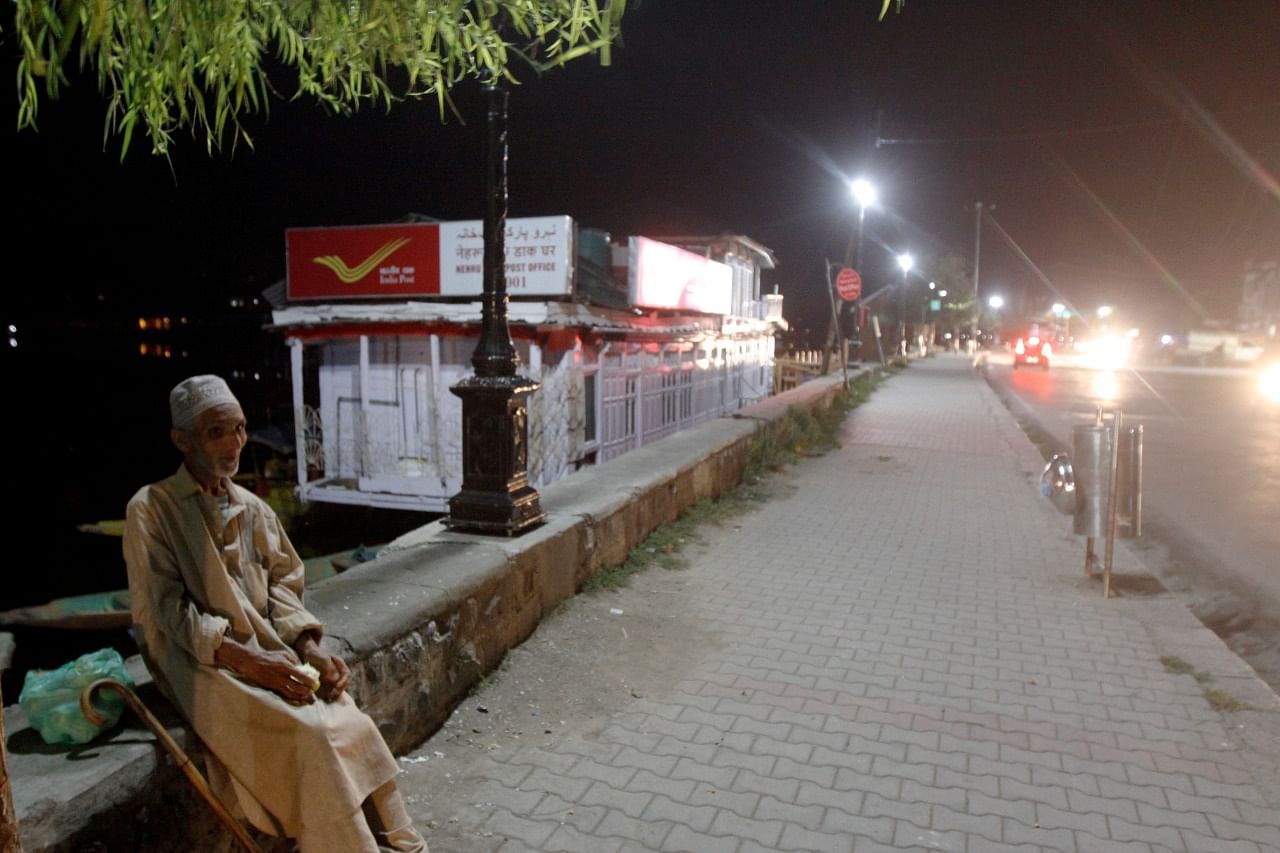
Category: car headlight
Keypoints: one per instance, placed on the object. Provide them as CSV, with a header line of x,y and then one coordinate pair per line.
x,y
1269,382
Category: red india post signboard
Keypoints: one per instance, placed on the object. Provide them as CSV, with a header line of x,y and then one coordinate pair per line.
x,y
363,261
849,284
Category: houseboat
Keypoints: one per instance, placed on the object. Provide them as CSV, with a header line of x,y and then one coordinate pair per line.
x,y
631,340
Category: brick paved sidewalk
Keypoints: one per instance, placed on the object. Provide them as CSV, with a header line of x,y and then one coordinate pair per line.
x,y
909,660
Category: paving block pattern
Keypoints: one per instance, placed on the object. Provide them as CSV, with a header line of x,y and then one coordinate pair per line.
x,y
910,661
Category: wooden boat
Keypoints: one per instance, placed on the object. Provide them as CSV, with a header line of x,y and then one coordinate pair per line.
x,y
96,611
108,527
99,611
110,610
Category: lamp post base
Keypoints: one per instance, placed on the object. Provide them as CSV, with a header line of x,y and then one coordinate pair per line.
x,y
496,498
495,514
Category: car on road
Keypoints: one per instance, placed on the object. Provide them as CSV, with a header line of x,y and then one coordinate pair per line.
x,y
1031,350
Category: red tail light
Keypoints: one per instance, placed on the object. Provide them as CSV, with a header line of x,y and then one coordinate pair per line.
x,y
1019,347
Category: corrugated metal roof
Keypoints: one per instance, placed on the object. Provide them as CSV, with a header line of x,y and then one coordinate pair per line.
x,y
540,314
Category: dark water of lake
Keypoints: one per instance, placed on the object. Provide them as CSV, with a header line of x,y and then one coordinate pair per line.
x,y
88,427
325,529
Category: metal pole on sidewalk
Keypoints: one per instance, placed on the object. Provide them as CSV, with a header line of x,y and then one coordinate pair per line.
x,y
1089,447
835,318
1117,418
977,263
855,261
833,325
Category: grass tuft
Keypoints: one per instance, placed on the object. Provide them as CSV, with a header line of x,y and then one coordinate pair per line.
x,y
799,433
491,677
1223,701
1176,664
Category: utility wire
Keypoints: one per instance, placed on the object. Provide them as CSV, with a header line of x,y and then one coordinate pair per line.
x,y
1030,136
1058,133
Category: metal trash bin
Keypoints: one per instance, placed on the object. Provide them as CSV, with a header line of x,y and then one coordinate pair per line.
x,y
1091,461
1106,508
1129,481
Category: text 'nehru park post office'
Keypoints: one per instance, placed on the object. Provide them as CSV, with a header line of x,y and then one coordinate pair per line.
x,y
631,341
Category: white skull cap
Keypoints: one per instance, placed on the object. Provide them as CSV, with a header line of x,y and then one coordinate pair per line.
x,y
190,397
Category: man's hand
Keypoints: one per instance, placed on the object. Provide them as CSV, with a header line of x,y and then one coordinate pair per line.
x,y
334,673
274,671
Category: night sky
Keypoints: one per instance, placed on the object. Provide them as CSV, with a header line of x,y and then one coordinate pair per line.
x,y
749,116
1131,150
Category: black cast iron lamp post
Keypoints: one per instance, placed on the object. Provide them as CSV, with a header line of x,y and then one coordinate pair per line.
x,y
496,498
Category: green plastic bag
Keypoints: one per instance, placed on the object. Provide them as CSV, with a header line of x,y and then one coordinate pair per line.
x,y
51,698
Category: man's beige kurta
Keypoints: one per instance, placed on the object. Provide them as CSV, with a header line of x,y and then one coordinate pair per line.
x,y
192,579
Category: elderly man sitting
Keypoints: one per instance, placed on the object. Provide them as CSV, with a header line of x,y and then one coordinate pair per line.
x,y
216,590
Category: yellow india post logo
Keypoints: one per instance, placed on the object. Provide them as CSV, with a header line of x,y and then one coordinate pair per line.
x,y
350,275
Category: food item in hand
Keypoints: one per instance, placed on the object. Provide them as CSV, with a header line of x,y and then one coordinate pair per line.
x,y
311,674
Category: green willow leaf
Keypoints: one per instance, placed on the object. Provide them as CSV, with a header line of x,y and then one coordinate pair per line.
x,y
199,64
884,9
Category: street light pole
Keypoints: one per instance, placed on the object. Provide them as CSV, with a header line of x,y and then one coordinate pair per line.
x,y
862,214
906,262
496,497
977,250
977,263
865,194
902,315
1063,316
996,302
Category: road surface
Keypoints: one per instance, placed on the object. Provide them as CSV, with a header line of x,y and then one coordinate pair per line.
x,y
1211,494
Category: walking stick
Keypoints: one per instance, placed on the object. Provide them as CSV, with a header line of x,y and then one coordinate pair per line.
x,y
184,761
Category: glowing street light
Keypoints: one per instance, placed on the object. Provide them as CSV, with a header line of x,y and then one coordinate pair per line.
x,y
1104,311
1058,309
906,262
864,193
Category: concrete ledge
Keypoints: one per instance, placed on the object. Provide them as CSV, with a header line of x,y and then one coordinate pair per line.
x,y
419,626
113,792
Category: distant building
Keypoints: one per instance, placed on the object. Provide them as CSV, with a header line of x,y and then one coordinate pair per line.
x,y
1260,299
631,341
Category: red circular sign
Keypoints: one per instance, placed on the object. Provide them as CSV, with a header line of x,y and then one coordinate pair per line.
x,y
849,284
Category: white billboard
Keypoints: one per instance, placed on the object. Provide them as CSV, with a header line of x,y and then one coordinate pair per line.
x,y
540,257
663,276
